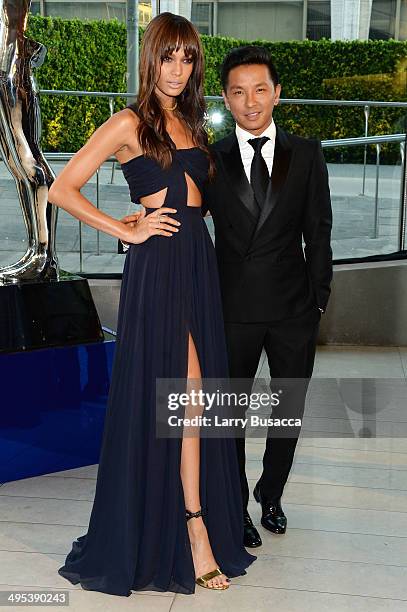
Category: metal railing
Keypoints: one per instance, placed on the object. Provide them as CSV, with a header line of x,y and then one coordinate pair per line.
x,y
305,101
378,141
366,104
344,142
66,157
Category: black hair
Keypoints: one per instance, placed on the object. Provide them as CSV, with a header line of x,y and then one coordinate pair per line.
x,y
249,54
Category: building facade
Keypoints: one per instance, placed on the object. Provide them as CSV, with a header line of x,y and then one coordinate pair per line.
x,y
258,19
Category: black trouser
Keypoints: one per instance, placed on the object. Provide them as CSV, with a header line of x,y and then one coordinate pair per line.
x,y
290,347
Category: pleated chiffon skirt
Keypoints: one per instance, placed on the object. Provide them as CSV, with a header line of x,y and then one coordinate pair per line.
x,y
137,537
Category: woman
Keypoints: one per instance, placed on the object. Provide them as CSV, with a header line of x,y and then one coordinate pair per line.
x,y
166,511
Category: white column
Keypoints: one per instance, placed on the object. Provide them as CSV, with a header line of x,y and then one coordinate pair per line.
x,y
215,18
132,47
397,21
304,19
350,19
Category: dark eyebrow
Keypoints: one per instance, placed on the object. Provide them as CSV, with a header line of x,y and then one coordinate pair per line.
x,y
184,56
241,87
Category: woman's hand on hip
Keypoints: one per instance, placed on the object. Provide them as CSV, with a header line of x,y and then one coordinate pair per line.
x,y
132,219
157,223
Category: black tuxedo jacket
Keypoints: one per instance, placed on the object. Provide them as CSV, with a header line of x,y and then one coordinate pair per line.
x,y
265,272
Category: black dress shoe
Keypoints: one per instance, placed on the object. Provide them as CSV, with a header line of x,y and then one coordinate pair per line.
x,y
252,537
272,515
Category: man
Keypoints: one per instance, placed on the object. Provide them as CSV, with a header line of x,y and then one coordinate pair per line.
x,y
273,290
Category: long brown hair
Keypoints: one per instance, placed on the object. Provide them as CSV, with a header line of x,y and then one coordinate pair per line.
x,y
165,34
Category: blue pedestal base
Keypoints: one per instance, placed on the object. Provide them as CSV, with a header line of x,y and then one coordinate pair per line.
x,y
52,408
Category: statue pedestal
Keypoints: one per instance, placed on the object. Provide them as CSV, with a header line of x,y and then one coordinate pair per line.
x,y
53,399
52,409
41,314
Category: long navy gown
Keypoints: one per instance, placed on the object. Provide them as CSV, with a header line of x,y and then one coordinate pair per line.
x,y
137,537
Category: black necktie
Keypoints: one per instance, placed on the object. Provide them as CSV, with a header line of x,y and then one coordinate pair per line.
x,y
259,174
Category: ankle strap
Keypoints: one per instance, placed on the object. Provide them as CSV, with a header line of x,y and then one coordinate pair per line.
x,y
190,514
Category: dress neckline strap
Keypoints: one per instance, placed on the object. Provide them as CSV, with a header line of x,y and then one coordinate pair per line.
x,y
142,156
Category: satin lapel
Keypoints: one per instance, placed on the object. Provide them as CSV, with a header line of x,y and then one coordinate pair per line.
x,y
281,164
238,180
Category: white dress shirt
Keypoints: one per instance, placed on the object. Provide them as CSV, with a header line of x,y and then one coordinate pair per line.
x,y
247,151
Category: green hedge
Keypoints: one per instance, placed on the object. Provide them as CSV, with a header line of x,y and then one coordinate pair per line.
x,y
81,55
91,55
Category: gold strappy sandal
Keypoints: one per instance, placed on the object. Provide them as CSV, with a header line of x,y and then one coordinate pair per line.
x,y
205,578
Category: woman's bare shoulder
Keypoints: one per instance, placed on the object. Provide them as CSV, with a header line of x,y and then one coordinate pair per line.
x,y
126,119
127,122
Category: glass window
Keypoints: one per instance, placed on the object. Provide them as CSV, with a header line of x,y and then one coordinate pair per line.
x,y
85,10
383,19
261,20
201,16
92,10
318,19
35,8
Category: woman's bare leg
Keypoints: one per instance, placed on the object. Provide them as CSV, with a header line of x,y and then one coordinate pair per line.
x,y
202,555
